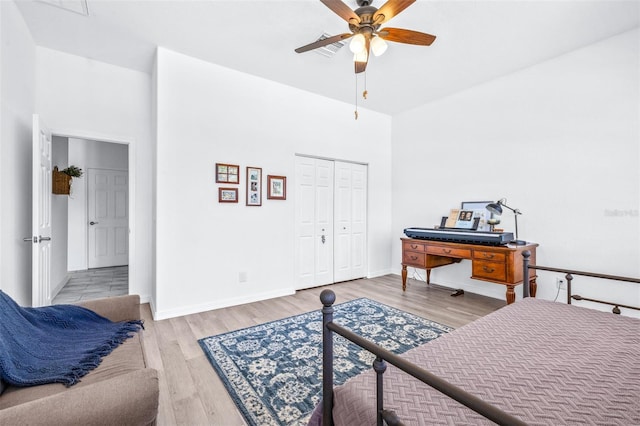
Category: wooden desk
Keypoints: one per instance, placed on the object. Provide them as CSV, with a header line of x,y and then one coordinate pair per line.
x,y
496,264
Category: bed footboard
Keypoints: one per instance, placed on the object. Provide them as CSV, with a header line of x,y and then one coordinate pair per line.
x,y
356,403
328,297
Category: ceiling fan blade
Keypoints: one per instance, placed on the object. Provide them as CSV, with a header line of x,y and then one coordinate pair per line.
x,y
400,35
362,66
390,9
342,10
324,42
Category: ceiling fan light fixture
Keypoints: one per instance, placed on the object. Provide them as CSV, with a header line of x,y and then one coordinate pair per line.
x,y
378,46
357,43
365,32
361,56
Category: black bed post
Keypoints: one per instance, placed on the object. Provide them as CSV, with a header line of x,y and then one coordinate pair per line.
x,y
379,367
525,273
327,297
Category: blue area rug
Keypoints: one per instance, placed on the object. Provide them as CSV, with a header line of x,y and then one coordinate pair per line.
x,y
273,371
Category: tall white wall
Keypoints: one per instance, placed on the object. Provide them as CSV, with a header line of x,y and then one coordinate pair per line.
x,y
88,154
17,90
85,98
559,140
208,114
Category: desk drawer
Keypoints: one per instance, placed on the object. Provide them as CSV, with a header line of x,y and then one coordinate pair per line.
x,y
413,258
449,252
412,246
491,256
494,271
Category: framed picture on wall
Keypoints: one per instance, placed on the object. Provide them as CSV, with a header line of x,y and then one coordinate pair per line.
x,y
227,173
227,195
276,187
254,186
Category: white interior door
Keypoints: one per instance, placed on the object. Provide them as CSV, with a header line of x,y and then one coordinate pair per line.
x,y
350,221
324,222
314,222
305,222
342,229
108,215
41,215
359,210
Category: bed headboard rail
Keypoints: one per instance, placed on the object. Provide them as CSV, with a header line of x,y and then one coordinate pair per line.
x,y
569,273
328,297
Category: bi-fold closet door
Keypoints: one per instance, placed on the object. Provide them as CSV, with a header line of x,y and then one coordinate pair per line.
x,y
331,221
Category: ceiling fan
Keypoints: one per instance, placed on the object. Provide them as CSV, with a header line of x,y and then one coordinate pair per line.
x,y
366,34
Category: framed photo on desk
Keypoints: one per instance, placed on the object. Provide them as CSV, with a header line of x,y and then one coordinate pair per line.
x,y
480,211
465,219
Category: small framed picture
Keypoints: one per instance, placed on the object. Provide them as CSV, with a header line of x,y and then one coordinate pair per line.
x,y
276,187
254,186
480,212
227,195
465,219
227,173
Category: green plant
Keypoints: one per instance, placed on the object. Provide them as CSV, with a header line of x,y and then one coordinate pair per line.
x,y
73,171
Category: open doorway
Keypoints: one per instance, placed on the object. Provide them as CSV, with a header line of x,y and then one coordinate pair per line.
x,y
90,226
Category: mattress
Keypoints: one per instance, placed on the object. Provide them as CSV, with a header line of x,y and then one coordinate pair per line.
x,y
541,361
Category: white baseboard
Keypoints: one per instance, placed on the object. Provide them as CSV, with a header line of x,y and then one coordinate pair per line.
x,y
380,273
218,304
61,284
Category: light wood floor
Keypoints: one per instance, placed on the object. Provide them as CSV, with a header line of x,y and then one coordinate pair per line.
x,y
94,283
191,392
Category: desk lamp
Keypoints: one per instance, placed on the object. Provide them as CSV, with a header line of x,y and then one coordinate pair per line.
x,y
496,208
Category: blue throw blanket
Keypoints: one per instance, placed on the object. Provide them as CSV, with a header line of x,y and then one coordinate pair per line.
x,y
54,344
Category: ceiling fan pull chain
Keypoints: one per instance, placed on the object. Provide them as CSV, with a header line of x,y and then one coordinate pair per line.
x,y
356,111
365,93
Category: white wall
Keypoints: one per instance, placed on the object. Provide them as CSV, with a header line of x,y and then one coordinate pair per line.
x,y
559,140
154,184
17,87
88,154
86,98
59,218
208,114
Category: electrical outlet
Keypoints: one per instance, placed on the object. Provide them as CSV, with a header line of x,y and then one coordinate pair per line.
x,y
243,277
561,284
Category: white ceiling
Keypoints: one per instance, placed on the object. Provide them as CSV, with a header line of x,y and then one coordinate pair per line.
x,y
477,40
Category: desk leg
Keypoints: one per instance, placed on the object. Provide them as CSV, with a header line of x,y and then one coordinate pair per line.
x,y
533,287
404,277
511,294
428,276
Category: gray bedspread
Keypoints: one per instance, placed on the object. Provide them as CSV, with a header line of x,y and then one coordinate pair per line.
x,y
546,363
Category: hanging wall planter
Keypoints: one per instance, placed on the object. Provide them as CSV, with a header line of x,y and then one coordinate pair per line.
x,y
61,180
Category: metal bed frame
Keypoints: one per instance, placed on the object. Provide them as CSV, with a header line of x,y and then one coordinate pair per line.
x,y
328,297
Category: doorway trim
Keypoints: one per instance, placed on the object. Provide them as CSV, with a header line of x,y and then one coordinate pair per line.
x,y
131,145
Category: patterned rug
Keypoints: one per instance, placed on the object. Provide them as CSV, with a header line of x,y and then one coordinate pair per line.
x,y
273,371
